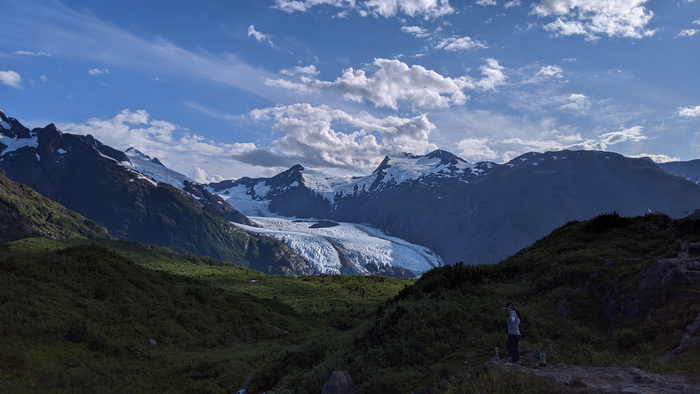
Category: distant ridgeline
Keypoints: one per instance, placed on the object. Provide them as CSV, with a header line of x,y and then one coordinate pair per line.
x,y
475,213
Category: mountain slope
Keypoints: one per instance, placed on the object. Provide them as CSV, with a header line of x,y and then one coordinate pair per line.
x,y
475,213
25,213
102,184
689,170
603,292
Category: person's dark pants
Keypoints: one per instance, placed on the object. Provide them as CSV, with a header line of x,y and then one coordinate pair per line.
x,y
512,347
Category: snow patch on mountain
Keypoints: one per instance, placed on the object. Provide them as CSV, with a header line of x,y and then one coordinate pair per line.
x,y
16,143
345,248
152,168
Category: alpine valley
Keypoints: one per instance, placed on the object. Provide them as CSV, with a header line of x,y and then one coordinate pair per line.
x,y
411,214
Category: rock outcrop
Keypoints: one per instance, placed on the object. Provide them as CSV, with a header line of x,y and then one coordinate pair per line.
x,y
340,382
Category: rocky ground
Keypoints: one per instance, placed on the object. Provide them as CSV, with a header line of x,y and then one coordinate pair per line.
x,y
580,379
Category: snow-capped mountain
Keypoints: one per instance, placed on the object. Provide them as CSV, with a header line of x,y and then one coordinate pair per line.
x,y
154,169
130,194
129,199
475,213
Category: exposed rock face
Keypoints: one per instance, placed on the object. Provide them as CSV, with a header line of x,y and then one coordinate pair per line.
x,y
340,382
670,272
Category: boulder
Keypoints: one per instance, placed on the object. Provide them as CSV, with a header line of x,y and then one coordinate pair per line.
x,y
340,382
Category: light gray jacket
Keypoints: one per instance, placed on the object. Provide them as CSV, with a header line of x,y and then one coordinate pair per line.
x,y
513,323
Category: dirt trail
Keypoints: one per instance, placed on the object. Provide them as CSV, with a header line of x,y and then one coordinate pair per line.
x,y
579,379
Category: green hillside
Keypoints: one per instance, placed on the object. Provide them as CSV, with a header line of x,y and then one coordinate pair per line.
x,y
100,315
23,212
78,315
594,269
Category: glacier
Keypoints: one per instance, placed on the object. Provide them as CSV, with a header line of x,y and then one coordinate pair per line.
x,y
344,248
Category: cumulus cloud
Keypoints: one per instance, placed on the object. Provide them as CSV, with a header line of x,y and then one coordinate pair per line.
x,y
593,18
176,147
395,81
552,71
486,2
385,8
459,44
689,112
329,137
476,149
11,78
98,71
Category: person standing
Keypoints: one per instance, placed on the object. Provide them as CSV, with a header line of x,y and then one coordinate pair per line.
x,y
513,333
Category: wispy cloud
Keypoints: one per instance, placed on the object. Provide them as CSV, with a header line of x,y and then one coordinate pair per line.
x,y
29,53
417,31
64,32
98,71
688,33
260,37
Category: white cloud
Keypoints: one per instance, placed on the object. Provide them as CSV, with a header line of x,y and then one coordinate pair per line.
x,y
656,158
11,78
98,71
486,2
175,147
552,71
60,29
29,53
260,37
577,103
689,112
459,44
44,78
395,80
416,31
299,70
512,3
623,135
688,33
333,138
476,149
385,8
592,18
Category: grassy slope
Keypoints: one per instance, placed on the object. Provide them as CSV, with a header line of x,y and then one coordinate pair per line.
x,y
456,311
78,313
24,212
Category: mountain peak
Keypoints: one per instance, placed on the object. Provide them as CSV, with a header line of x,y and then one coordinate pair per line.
x,y
443,155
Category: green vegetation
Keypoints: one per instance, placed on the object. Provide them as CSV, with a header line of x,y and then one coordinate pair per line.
x,y
102,315
24,212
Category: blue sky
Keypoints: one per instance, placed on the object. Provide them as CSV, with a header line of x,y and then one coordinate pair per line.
x,y
225,89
